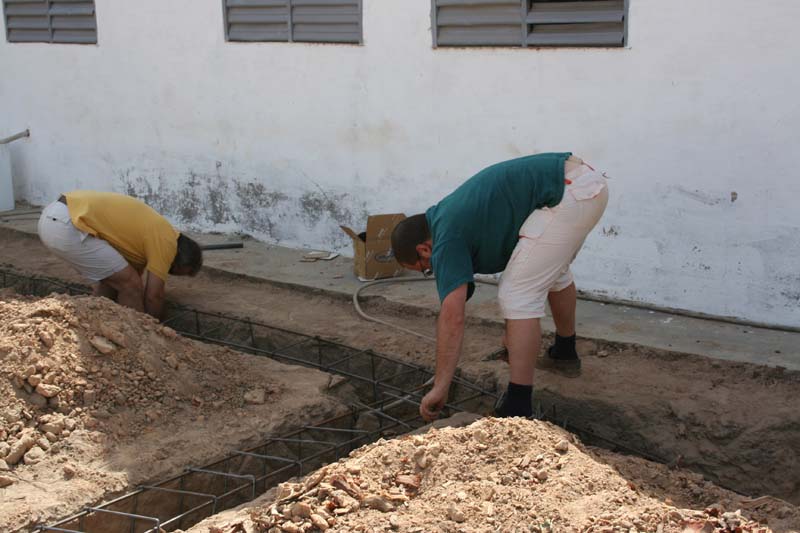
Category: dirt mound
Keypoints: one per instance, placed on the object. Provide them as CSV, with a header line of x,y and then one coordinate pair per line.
x,y
74,363
94,397
494,475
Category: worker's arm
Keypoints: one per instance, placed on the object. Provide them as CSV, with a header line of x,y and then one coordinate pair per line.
x,y
449,334
154,296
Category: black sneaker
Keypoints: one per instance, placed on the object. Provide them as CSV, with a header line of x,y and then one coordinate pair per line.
x,y
501,409
567,367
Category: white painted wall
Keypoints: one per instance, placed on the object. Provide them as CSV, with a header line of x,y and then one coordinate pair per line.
x,y
285,141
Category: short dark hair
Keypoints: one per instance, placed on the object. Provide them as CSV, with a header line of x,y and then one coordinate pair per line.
x,y
189,255
407,235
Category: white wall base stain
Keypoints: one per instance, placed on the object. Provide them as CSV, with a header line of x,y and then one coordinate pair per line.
x,y
696,122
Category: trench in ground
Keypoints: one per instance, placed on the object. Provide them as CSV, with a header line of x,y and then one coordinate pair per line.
x,y
383,393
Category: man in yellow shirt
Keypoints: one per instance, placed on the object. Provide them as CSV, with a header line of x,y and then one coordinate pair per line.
x,y
121,244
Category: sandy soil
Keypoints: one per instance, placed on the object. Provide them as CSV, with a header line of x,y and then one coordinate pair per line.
x,y
736,423
523,476
96,398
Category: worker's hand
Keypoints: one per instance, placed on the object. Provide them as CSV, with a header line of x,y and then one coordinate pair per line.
x,y
433,402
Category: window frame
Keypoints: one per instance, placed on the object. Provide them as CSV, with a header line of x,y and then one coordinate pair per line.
x,y
51,28
290,26
525,9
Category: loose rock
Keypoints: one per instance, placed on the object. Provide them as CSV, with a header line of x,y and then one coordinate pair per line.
x,y
102,344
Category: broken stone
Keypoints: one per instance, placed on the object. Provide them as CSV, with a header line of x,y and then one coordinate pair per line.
x,y
51,424
421,459
11,415
255,396
289,527
344,501
394,522
301,510
3,466
102,344
408,480
319,522
19,448
114,335
48,391
481,436
562,446
435,449
5,481
455,514
46,338
172,361
373,501
34,380
168,332
346,485
34,456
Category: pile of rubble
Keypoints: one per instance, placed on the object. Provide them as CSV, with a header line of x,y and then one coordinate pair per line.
x,y
83,363
494,475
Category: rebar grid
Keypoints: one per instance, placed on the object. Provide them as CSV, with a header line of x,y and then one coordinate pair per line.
x,y
389,390
374,376
40,285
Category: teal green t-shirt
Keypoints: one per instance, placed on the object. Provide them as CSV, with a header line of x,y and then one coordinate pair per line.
x,y
476,227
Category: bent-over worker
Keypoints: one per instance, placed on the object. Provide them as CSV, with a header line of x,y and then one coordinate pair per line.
x,y
527,217
120,244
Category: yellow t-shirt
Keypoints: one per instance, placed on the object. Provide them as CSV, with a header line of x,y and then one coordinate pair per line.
x,y
143,237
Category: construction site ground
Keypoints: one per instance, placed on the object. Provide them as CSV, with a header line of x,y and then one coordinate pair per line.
x,y
717,398
96,399
524,476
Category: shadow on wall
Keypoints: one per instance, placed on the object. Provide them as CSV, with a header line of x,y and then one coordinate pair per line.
x,y
211,202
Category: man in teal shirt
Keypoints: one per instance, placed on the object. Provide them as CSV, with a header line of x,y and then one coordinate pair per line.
x,y
528,218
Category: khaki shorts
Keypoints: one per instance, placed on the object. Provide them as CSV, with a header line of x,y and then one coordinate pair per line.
x,y
548,242
93,258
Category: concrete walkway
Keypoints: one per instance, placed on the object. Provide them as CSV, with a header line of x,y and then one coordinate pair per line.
x,y
610,322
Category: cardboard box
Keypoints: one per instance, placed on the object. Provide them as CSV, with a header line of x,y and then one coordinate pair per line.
x,y
373,257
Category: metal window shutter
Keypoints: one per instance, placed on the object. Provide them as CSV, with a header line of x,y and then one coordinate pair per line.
x,y
478,22
73,21
331,21
257,20
586,23
53,21
529,23
26,21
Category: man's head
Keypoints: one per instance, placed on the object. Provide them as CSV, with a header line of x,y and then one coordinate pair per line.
x,y
411,243
188,259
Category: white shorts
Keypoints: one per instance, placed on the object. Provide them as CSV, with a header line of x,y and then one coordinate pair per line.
x,y
548,242
93,258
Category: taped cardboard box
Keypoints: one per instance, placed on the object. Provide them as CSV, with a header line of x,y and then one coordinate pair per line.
x,y
372,249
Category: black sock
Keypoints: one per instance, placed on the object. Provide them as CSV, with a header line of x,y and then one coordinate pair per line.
x,y
517,401
563,348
